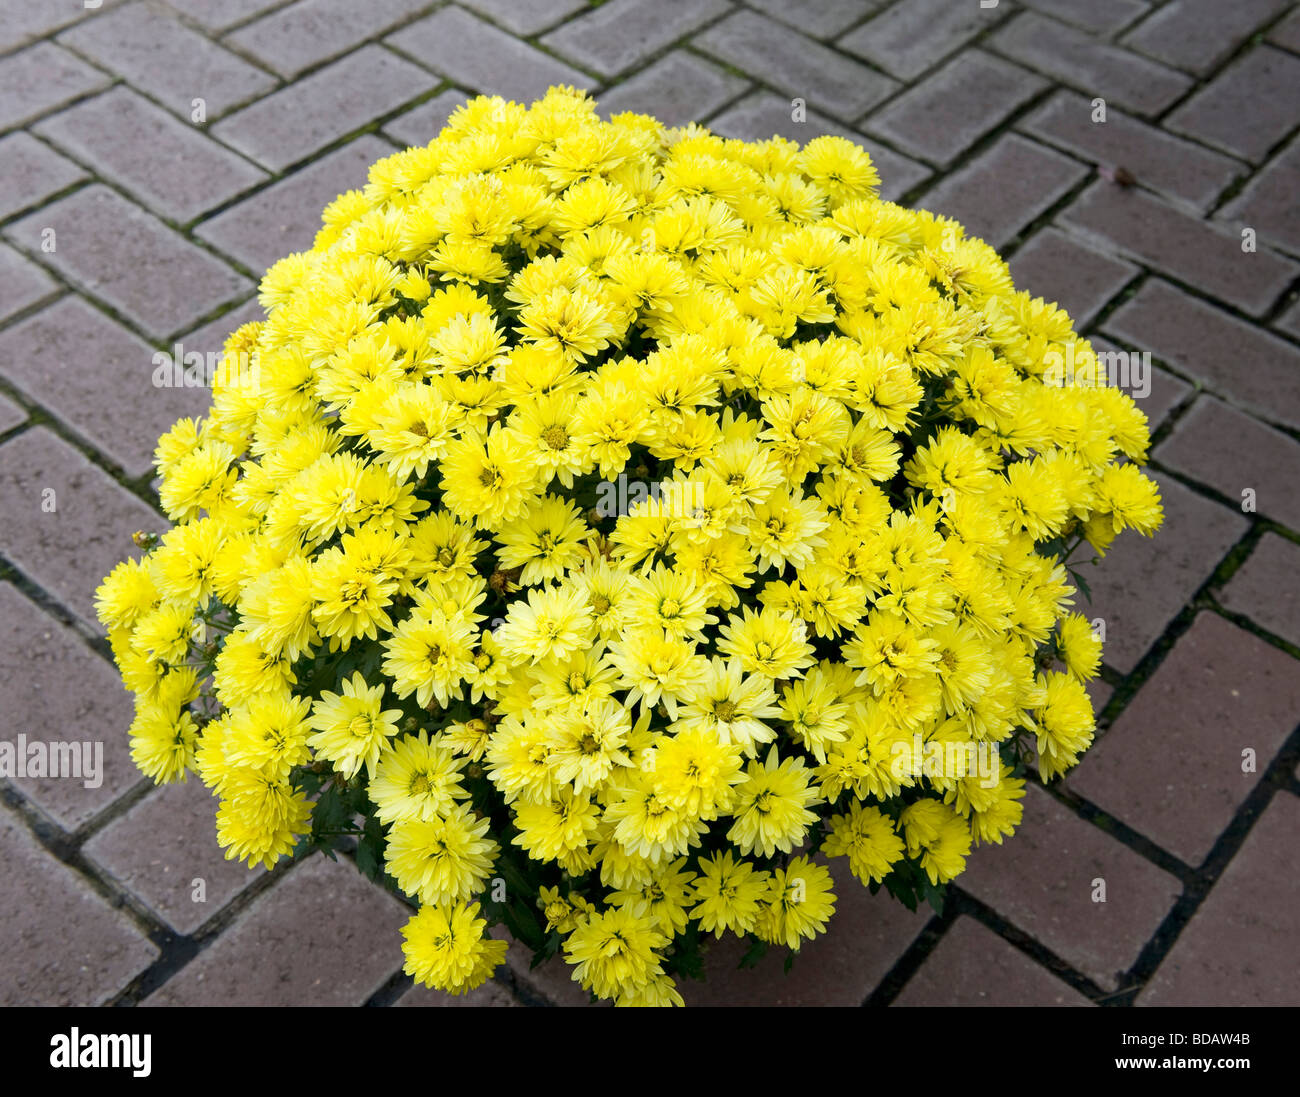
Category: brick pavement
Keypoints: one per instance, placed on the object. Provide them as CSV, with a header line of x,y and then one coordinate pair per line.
x,y
171,149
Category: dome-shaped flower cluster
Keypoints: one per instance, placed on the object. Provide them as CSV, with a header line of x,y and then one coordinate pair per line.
x,y
610,523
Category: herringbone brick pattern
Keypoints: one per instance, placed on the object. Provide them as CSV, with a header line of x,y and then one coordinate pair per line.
x,y
156,156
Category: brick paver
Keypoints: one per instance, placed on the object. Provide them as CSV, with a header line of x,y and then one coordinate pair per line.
x,y
38,79
827,80
482,58
1252,464
285,217
678,88
1198,34
943,115
973,966
1210,258
63,944
22,283
1006,188
1049,882
308,32
1101,16
1092,66
1221,691
1143,582
421,124
1256,370
97,377
322,108
1247,109
622,33
69,549
174,64
1059,268
31,171
1264,589
1241,947
1160,161
323,937
55,690
11,415
167,164
907,39
129,259
1267,202
165,851
166,211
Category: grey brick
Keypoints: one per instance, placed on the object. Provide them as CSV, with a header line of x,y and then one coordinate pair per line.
x,y
525,17
161,56
1198,34
1041,880
38,79
311,31
211,337
164,845
22,283
1206,256
1248,108
11,415
488,995
1268,203
1256,370
285,217
23,20
973,966
1240,947
1161,161
63,945
130,260
947,112
762,115
907,39
1059,268
420,125
70,550
1171,766
1144,582
1235,454
1098,16
173,168
217,15
313,112
676,89
1264,587
819,18
1289,321
1004,189
31,171
1156,390
1287,32
96,377
54,689
322,936
482,58
622,33
826,80
1094,67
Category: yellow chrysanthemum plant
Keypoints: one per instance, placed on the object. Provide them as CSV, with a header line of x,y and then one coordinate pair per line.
x,y
611,526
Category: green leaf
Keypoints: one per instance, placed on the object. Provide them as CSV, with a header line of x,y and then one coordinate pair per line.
x,y
935,896
757,950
